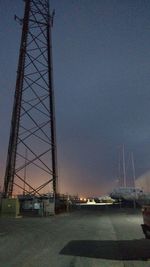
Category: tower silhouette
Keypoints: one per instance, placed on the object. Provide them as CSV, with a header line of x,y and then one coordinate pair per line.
x,y
31,160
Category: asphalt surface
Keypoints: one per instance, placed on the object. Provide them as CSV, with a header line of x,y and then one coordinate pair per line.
x,y
83,238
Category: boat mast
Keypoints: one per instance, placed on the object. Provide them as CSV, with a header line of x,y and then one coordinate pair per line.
x,y
124,167
133,168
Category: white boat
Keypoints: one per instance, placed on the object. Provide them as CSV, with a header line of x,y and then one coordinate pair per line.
x,y
126,193
144,199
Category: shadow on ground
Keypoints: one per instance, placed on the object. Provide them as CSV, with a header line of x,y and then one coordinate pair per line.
x,y
109,249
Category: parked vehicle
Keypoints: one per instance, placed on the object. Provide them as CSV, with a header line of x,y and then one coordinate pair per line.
x,y
146,220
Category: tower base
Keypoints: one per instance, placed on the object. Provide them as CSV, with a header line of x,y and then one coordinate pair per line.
x,y
10,207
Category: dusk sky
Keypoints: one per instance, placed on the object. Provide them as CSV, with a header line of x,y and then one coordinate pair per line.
x,y
101,59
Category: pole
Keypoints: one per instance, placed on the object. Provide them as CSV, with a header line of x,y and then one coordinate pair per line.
x,y
25,171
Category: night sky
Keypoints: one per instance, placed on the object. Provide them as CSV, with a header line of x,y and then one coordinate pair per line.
x,y
101,58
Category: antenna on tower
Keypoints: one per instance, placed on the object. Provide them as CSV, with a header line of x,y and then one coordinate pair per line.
x,y
52,17
16,18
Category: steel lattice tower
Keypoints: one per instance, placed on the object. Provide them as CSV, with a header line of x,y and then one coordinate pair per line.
x,y
31,160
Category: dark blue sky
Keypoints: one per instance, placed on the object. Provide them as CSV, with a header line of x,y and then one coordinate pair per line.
x,y
101,54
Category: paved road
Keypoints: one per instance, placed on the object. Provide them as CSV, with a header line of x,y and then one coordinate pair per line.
x,y
84,238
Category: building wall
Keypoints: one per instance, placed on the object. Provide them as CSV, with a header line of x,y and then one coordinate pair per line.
x,y
143,182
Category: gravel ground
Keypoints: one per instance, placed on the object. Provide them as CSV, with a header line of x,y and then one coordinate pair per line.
x,y
83,238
